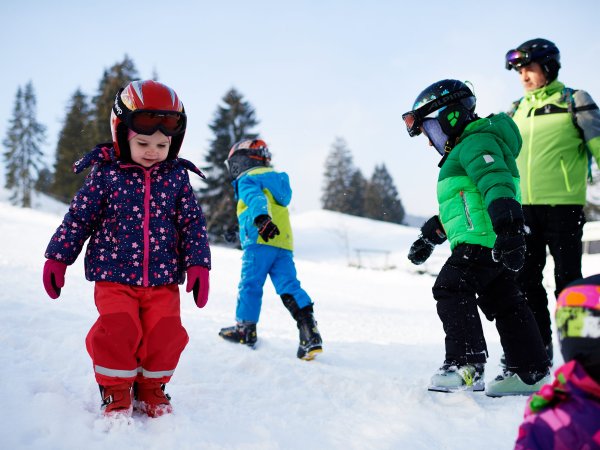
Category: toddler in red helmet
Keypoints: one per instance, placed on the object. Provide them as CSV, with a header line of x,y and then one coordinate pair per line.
x,y
146,231
566,413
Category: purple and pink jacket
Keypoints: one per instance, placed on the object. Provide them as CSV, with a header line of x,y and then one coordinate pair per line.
x,y
564,415
145,225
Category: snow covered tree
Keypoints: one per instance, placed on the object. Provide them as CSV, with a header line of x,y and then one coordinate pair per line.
x,y
75,138
381,197
113,79
339,174
23,155
233,121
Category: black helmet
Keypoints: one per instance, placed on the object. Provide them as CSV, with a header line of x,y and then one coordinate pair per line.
x,y
245,155
454,104
538,50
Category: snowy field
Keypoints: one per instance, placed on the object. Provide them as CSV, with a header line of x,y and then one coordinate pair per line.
x,y
382,342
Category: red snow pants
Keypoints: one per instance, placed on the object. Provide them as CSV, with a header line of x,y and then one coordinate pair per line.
x,y
138,336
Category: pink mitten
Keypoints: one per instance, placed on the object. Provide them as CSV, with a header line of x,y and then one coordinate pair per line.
x,y
54,277
197,280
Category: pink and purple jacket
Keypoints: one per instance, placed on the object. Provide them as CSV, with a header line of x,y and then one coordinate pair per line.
x,y
145,225
564,415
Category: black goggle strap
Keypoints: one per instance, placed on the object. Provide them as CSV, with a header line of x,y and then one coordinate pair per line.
x,y
119,108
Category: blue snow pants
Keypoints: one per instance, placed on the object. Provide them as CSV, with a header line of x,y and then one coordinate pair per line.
x,y
258,261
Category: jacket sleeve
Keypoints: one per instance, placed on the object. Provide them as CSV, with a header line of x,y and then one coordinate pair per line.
x,y
80,221
193,236
588,119
483,161
250,191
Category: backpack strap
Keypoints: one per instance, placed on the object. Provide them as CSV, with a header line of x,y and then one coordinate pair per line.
x,y
568,97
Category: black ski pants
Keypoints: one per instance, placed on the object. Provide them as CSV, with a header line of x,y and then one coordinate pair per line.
x,y
560,228
471,278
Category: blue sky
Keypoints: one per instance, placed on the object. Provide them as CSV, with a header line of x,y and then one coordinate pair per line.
x,y
313,70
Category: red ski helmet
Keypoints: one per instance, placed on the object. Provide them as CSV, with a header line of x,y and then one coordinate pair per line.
x,y
147,106
246,154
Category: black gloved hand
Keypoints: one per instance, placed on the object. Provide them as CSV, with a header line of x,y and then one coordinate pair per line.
x,y
509,249
508,222
420,251
432,234
266,228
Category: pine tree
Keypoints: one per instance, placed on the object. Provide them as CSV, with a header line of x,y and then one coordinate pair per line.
x,y
76,138
381,197
339,173
356,194
233,121
113,79
23,155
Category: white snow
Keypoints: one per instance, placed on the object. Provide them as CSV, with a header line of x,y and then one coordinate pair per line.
x,y
382,342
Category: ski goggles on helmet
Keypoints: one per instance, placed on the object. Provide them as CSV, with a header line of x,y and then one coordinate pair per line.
x,y
170,123
515,59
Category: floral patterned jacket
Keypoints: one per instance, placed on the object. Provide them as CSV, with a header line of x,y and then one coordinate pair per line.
x,y
145,225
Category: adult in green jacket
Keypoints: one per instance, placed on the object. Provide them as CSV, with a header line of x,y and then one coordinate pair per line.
x,y
560,129
479,213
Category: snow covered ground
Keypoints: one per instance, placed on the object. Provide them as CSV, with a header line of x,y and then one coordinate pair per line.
x,y
382,342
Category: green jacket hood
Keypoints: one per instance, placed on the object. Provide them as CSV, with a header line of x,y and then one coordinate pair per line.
x,y
501,126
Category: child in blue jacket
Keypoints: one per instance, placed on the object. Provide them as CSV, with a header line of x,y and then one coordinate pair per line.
x,y
262,196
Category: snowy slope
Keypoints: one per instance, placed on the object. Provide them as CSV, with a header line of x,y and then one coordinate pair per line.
x,y
382,341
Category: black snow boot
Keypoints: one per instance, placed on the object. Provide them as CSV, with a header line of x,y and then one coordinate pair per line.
x,y
310,339
241,333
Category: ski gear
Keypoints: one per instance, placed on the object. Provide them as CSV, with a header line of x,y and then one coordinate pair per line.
x,y
452,377
454,103
145,225
262,191
480,169
258,261
564,414
266,228
138,332
432,234
511,383
311,343
554,165
470,278
549,352
198,281
507,219
117,399
578,323
557,229
420,251
54,277
245,155
151,399
538,50
147,106
241,333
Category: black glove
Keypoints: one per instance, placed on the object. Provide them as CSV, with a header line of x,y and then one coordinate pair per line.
x,y
266,228
432,234
508,222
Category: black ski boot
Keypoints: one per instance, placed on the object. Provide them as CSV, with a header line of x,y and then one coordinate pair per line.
x,y
311,343
310,338
241,333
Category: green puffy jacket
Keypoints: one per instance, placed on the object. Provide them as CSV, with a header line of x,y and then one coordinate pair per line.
x,y
480,169
553,162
